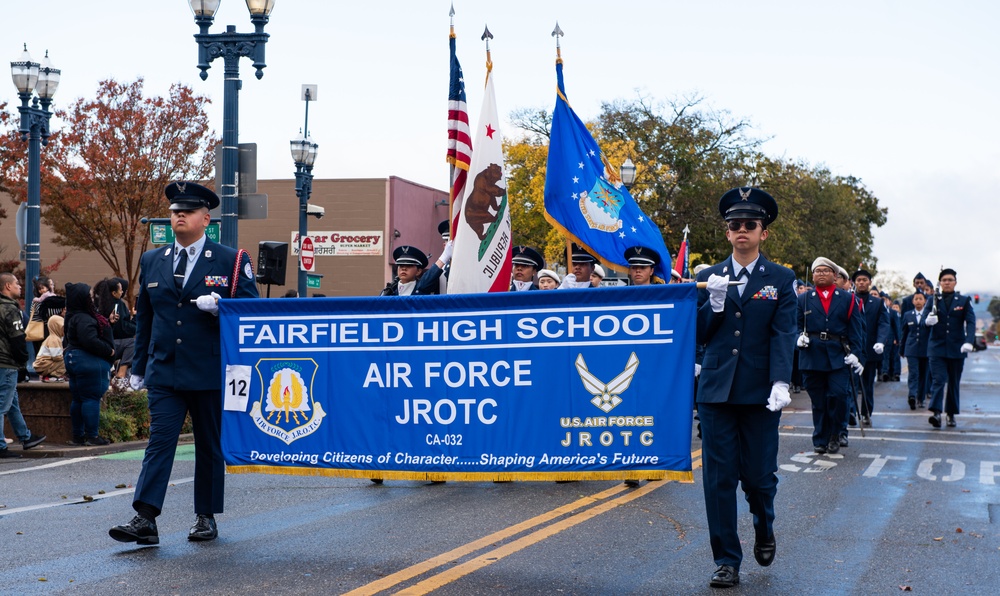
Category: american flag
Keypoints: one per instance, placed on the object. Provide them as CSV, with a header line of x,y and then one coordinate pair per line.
x,y
459,137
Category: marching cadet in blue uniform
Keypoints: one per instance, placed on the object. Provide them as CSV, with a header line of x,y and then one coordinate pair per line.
x,y
748,333
410,261
953,329
177,359
879,335
526,262
581,267
913,347
831,335
641,261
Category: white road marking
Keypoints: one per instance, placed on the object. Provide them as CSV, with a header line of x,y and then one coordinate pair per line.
x,y
114,493
856,437
54,464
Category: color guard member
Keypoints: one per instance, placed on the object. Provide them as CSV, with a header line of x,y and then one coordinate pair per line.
x,y
953,329
748,331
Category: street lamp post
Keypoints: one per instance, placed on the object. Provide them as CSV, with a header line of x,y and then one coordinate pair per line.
x,y
31,77
304,155
231,46
627,173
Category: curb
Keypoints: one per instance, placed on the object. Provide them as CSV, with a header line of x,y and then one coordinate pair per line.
x,y
54,450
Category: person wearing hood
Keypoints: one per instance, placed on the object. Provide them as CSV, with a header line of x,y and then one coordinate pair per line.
x,y
89,351
49,363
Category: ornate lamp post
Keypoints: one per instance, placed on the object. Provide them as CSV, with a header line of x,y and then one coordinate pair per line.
x,y
304,155
627,173
230,46
31,77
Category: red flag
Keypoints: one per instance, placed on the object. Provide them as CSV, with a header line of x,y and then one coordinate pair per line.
x,y
682,263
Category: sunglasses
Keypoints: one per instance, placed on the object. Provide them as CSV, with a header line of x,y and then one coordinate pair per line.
x,y
749,225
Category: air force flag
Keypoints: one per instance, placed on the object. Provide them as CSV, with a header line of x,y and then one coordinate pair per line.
x,y
586,202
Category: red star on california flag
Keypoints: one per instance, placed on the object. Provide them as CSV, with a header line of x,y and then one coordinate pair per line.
x,y
489,131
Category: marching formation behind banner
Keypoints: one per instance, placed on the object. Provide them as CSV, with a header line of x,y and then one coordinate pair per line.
x,y
576,384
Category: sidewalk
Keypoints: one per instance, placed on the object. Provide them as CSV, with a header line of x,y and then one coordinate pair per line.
x,y
53,449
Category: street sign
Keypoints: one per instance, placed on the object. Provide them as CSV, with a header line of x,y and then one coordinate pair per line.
x,y
160,233
307,257
312,281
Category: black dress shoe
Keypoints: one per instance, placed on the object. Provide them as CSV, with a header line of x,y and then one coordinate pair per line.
x,y
203,529
852,420
951,420
935,420
912,401
140,530
833,447
726,576
843,441
819,449
763,551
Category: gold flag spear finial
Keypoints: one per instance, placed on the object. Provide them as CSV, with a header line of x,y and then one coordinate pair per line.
x,y
557,33
487,36
451,13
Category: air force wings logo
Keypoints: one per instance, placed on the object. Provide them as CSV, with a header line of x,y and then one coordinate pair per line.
x,y
286,409
606,395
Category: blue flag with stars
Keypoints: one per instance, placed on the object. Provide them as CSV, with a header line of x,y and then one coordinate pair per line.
x,y
586,201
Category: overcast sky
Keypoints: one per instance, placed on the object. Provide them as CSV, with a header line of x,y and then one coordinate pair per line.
x,y
903,95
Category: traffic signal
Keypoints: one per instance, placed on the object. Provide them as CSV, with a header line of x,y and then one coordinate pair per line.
x,y
977,298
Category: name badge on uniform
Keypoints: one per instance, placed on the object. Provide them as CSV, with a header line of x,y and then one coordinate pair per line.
x,y
766,293
152,284
215,281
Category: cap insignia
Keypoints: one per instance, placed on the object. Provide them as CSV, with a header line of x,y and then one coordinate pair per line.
x,y
745,195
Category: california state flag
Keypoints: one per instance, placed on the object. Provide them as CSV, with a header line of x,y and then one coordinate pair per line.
x,y
481,258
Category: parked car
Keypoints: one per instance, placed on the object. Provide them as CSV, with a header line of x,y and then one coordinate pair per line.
x,y
980,343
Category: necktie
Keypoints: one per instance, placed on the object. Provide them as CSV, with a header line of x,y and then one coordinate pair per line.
x,y
742,278
181,269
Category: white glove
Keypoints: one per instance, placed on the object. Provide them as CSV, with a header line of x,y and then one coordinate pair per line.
x,y
717,287
931,320
966,348
208,303
449,248
569,282
878,348
779,396
852,361
697,369
136,382
802,341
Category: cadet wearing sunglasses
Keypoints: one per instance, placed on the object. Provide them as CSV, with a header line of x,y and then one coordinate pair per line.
x,y
748,333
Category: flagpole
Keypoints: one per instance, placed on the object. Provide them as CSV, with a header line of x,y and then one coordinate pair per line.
x,y
557,33
451,170
487,36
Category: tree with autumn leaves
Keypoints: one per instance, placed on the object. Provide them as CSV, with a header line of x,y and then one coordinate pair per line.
x,y
687,155
105,167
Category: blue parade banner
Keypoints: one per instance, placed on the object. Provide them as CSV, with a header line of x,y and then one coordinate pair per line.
x,y
556,385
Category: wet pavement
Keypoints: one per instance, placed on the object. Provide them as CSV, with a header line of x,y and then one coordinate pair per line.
x,y
905,507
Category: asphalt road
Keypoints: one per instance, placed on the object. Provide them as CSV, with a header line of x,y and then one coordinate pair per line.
x,y
904,508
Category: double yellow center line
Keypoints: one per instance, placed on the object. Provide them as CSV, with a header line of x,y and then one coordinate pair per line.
x,y
592,506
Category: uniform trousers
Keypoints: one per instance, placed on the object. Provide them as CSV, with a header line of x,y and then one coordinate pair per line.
x,y
945,372
829,392
916,377
868,387
167,409
739,444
